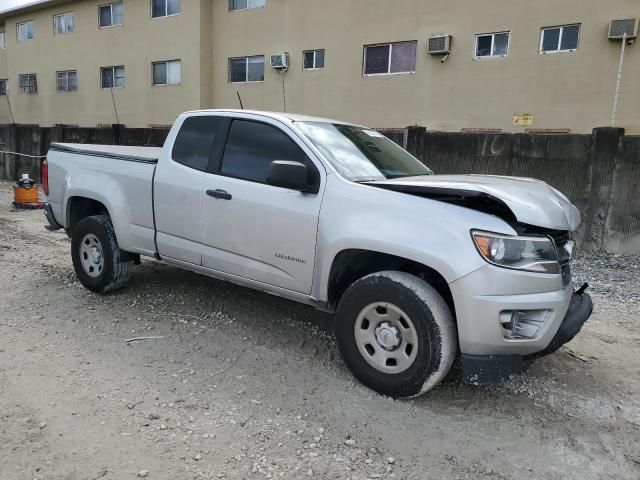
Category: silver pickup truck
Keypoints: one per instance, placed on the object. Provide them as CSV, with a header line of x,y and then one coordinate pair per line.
x,y
419,269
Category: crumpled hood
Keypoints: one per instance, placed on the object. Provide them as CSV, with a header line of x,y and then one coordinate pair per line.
x,y
531,201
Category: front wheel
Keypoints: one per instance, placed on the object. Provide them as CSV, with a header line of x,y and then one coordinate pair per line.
x,y
396,333
98,261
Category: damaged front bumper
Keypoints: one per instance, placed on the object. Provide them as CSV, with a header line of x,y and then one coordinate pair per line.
x,y
485,369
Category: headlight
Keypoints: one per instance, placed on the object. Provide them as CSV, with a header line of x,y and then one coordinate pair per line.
x,y
531,254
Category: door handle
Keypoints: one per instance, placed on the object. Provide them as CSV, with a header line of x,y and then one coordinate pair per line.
x,y
221,194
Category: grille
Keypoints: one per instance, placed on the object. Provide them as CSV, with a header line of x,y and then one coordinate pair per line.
x,y
619,28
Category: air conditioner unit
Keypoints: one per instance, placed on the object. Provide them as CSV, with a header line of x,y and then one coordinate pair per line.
x,y
619,28
439,45
280,61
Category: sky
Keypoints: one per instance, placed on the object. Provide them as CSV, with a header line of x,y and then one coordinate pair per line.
x,y
7,4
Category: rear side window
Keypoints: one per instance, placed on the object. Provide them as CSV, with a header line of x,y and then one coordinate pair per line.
x,y
195,140
252,146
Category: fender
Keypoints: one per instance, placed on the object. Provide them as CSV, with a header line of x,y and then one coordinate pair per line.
x,y
422,230
104,189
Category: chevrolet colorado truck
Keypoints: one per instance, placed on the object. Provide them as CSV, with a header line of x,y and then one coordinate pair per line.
x,y
420,269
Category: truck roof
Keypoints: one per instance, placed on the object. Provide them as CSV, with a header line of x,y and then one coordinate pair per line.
x,y
286,117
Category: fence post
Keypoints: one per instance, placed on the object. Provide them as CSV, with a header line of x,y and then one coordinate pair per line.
x,y
117,133
606,146
414,138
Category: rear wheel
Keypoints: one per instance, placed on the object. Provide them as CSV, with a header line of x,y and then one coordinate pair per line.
x,y
396,333
98,261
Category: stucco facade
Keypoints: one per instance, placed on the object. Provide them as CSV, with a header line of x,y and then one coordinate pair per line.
x,y
565,90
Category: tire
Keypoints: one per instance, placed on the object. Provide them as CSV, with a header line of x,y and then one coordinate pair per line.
x,y
98,261
410,322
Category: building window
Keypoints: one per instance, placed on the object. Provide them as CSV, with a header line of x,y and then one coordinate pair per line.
x,y
313,59
67,81
492,45
64,23
28,83
245,4
3,40
111,14
3,87
246,69
167,73
164,8
112,77
560,39
25,31
388,58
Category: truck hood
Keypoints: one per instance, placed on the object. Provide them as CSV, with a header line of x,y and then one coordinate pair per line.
x,y
527,200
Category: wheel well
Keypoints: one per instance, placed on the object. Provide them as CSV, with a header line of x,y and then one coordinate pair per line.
x,y
81,207
351,265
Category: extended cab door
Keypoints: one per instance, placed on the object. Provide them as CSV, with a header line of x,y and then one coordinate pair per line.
x,y
177,190
254,230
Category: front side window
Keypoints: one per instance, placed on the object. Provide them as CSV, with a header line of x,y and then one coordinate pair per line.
x,y
492,45
111,14
111,77
252,146
246,69
63,24
3,87
25,31
167,73
313,59
360,154
560,39
399,57
245,4
164,8
67,81
28,83
194,141
3,40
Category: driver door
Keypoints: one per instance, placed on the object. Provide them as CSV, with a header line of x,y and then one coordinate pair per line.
x,y
254,230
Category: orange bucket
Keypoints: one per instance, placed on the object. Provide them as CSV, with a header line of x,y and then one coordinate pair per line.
x,y
22,195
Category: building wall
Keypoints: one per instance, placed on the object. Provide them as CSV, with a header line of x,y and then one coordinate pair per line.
x,y
564,90
139,42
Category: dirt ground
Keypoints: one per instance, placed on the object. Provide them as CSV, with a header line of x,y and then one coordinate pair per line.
x,y
242,385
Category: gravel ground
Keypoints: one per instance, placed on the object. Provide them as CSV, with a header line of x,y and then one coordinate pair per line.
x,y
242,385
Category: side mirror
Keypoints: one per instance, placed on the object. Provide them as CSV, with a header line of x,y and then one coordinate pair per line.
x,y
287,174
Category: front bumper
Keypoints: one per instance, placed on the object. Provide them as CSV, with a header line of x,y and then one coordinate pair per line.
x,y
484,369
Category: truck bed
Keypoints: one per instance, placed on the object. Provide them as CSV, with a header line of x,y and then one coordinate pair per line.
x,y
118,152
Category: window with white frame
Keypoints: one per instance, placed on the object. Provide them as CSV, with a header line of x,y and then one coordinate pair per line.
x,y
313,59
164,8
3,40
246,69
111,14
389,58
67,81
492,44
64,23
3,87
246,4
112,77
28,83
560,39
167,73
25,31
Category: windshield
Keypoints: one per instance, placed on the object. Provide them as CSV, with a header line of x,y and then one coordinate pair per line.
x,y
360,154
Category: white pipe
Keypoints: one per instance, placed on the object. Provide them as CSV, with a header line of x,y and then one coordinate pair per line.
x,y
616,96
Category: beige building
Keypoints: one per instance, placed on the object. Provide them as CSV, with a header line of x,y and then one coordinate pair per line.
x,y
513,65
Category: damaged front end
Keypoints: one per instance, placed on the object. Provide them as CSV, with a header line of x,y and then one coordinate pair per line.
x,y
506,332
